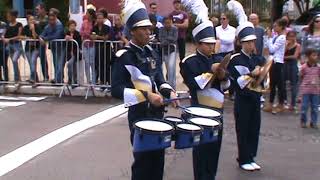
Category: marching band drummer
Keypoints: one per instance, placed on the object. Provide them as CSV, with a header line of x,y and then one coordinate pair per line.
x,y
136,78
244,69
207,91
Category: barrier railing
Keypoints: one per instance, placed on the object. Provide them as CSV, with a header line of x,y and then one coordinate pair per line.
x,y
97,55
168,55
59,63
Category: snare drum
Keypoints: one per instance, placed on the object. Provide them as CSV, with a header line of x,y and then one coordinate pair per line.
x,y
210,129
173,120
151,135
187,135
192,111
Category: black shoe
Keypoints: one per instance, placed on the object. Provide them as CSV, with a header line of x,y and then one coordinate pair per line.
x,y
314,126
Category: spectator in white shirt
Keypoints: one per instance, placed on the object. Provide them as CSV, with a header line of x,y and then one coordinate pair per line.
x,y
105,15
226,34
277,46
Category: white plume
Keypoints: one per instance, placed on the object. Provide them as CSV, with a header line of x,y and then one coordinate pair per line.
x,y
198,8
237,9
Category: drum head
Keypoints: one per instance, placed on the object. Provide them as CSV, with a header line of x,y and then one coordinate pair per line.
x,y
203,112
154,125
173,119
204,122
189,127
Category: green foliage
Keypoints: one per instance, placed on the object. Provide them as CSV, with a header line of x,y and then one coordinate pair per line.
x,y
4,6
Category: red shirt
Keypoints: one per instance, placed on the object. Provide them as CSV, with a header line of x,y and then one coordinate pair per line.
x,y
310,79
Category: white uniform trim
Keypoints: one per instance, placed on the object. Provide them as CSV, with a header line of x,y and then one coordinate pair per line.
x,y
186,58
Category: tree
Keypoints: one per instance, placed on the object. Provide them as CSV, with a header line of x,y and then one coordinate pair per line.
x,y
277,9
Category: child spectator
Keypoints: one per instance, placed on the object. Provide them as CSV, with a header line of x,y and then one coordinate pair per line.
x,y
31,33
168,36
73,53
88,48
310,88
101,32
291,71
117,32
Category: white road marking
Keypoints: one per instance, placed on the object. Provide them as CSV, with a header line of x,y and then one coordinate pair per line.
x,y
9,98
23,154
11,104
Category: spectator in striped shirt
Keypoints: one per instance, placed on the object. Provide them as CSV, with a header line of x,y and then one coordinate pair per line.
x,y
310,88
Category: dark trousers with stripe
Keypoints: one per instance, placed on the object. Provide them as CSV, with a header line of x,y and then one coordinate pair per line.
x,y
206,158
248,119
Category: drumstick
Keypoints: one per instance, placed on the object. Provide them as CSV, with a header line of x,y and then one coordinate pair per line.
x,y
183,108
167,101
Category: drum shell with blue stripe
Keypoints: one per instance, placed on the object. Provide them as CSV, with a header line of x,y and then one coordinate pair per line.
x,y
187,135
174,121
152,135
210,129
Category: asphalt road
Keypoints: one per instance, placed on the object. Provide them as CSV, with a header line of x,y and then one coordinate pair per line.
x,y
286,151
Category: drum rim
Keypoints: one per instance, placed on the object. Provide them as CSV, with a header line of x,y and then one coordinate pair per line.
x,y
206,126
189,131
150,131
211,108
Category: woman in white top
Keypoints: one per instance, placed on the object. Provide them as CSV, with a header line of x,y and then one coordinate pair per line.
x,y
277,46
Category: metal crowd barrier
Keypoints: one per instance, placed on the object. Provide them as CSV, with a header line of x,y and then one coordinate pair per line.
x,y
58,63
98,55
19,63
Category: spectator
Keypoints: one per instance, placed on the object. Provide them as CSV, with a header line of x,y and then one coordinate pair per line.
x,y
226,34
105,16
276,46
73,51
168,36
181,21
117,32
101,32
259,30
291,71
42,22
310,88
311,38
215,23
154,10
41,16
88,49
92,16
31,32
154,29
287,19
3,54
12,41
55,30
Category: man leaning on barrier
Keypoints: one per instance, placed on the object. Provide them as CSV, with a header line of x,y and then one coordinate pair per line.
x,y
55,30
